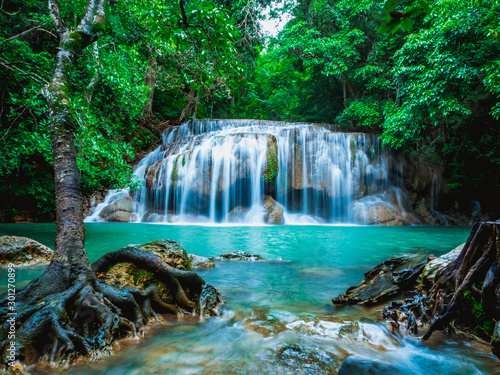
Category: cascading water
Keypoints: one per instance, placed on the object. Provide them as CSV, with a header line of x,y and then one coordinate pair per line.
x,y
247,171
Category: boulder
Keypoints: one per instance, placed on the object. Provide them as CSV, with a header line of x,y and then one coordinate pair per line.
x,y
22,251
426,280
237,213
378,285
236,255
381,214
126,275
199,262
301,359
119,217
274,214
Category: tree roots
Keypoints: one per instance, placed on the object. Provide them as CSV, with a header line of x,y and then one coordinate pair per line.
x,y
89,316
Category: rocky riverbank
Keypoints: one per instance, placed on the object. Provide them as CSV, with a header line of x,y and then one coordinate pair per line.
x,y
457,291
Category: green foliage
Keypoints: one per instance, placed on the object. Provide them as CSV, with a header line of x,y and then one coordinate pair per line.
x,y
272,167
481,323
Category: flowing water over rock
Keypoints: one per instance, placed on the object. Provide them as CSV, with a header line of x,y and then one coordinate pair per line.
x,y
260,172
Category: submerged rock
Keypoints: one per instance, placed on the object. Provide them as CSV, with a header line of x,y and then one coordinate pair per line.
x,y
237,255
200,262
304,359
23,251
358,365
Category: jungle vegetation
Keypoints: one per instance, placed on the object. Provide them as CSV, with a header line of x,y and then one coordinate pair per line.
x,y
428,82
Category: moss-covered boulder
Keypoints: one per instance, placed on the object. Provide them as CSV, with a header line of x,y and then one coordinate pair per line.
x,y
23,251
126,275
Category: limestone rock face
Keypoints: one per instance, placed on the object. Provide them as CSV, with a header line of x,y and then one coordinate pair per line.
x,y
23,251
274,210
126,275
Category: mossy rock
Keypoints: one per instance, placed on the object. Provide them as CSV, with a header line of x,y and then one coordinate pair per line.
x,y
22,251
126,275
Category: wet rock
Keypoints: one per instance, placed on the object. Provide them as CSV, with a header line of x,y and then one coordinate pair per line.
x,y
126,275
199,262
236,255
23,251
209,301
263,324
237,213
426,280
378,285
119,211
119,217
382,214
364,366
303,359
274,211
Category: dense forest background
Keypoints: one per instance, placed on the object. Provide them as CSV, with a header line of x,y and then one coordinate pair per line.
x,y
429,83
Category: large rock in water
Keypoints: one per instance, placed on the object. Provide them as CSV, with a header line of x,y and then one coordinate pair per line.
x,y
119,211
300,359
200,262
23,251
236,255
378,285
126,275
274,214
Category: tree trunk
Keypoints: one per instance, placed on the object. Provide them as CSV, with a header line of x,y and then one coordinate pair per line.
x,y
468,288
150,81
67,313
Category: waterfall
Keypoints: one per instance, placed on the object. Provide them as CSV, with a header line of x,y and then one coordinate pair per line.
x,y
249,171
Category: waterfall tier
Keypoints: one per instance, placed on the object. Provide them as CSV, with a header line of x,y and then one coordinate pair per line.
x,y
246,171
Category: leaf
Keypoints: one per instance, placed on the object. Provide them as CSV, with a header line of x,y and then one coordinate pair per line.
x,y
387,26
390,5
395,28
406,24
425,6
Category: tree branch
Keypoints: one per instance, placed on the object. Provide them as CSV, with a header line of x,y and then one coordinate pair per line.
x,y
55,16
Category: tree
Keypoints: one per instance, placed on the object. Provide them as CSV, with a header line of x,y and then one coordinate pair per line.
x,y
67,312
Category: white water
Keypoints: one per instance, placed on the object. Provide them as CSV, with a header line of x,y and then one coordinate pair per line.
x,y
214,171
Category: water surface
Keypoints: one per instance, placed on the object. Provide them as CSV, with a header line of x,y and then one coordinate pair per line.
x,y
320,263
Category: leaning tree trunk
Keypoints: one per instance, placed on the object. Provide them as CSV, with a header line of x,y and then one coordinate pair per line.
x,y
68,313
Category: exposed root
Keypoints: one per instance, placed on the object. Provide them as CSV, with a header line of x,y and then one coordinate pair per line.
x,y
89,316
473,276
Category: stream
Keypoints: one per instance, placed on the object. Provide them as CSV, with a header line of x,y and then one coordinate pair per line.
x,y
278,316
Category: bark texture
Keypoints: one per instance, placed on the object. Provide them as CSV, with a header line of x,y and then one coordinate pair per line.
x,y
468,289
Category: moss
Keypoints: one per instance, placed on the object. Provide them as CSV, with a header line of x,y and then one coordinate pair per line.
x,y
183,160
175,173
272,167
98,28
479,321
353,149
